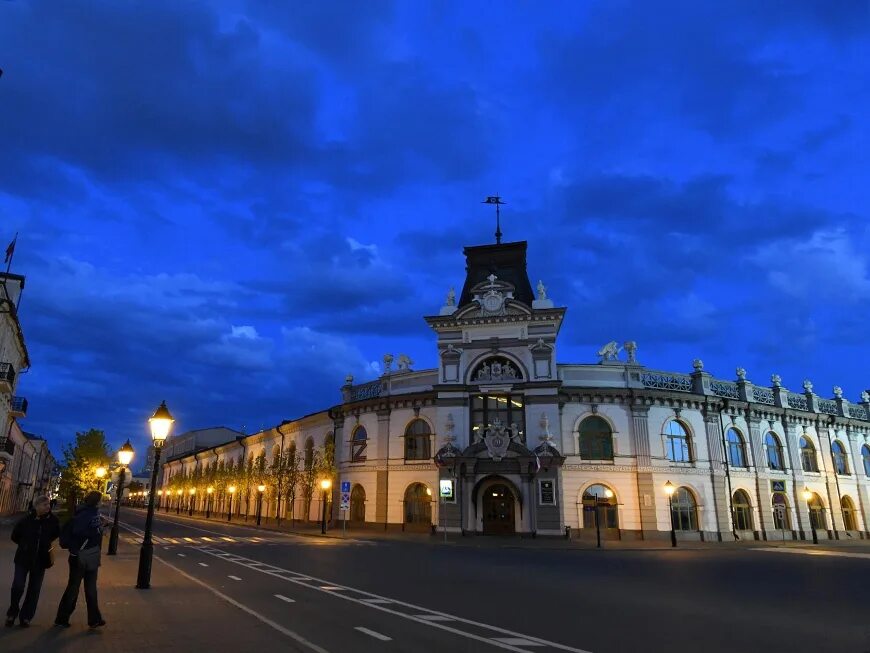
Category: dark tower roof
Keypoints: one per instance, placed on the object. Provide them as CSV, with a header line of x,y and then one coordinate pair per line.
x,y
507,261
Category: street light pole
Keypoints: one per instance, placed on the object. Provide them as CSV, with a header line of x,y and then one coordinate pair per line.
x,y
807,496
232,490
325,484
208,494
260,490
669,490
125,457
190,502
161,423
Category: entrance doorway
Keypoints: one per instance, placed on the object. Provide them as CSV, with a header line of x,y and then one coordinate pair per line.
x,y
498,511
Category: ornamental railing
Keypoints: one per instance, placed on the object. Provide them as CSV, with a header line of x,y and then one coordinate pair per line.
x,y
763,395
667,381
858,412
368,390
798,402
19,406
828,406
724,389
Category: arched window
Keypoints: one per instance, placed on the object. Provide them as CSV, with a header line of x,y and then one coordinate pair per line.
x,y
596,439
865,454
308,459
603,500
742,511
817,513
678,448
358,444
850,523
808,455
839,455
781,513
684,510
418,504
358,503
775,459
736,448
291,455
276,454
417,440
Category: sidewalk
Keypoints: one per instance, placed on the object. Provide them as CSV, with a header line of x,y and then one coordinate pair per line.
x,y
176,614
312,529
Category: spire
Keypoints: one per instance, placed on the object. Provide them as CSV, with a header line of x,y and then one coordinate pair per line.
x,y
495,199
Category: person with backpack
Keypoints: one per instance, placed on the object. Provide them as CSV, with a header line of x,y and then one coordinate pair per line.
x,y
34,535
82,536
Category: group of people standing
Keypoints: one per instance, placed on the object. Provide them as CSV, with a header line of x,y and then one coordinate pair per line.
x,y
35,536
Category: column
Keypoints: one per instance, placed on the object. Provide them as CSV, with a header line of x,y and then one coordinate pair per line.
x,y
382,482
855,442
647,493
721,499
762,486
832,483
800,513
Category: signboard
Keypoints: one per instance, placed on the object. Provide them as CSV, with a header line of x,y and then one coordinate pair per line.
x,y
445,486
345,500
548,492
345,486
777,486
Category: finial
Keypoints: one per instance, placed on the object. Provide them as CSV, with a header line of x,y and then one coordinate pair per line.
x,y
495,199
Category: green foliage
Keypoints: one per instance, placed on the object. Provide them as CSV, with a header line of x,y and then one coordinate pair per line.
x,y
81,460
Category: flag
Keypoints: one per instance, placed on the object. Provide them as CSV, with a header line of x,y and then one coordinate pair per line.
x,y
10,250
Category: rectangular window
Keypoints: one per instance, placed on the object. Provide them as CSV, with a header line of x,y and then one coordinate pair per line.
x,y
508,409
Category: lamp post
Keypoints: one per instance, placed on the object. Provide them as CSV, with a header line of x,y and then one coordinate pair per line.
x,y
125,456
807,497
608,493
260,489
190,501
232,490
178,501
159,498
209,491
669,490
325,484
160,423
101,474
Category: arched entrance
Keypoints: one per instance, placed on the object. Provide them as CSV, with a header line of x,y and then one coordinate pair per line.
x,y
358,504
418,507
498,510
599,503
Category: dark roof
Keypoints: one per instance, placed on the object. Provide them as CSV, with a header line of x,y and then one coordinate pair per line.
x,y
507,261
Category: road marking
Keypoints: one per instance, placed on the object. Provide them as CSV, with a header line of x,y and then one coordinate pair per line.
x,y
234,577
374,634
436,617
376,600
517,641
228,539
181,555
331,588
189,539
813,552
286,599
281,629
362,595
203,564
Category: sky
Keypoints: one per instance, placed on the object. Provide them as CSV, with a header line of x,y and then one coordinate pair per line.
x,y
233,205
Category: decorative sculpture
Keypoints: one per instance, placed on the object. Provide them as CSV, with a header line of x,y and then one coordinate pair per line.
x,y
542,290
630,347
449,426
348,380
865,397
741,374
808,386
776,380
497,439
609,352
496,372
838,392
405,363
545,428
388,362
698,364
451,297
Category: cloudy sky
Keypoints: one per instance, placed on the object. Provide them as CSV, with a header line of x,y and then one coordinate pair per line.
x,y
233,205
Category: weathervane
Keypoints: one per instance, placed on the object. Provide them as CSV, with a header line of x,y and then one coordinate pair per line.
x,y
495,199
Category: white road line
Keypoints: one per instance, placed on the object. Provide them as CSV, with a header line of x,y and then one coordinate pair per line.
x,y
517,641
234,577
436,617
286,599
813,552
376,600
372,633
331,588
203,564
241,560
281,629
181,555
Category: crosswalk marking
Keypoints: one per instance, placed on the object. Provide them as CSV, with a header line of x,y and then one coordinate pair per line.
x,y
813,552
374,633
286,599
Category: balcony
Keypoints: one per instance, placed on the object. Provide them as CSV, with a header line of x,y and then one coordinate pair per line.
x,y
19,407
7,377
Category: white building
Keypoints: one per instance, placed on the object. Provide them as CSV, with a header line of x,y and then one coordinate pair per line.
x,y
501,438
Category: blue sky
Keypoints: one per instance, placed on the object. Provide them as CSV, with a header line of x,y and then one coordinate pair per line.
x,y
233,205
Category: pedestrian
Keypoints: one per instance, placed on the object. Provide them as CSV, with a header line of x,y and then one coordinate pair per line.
x,y
83,537
34,535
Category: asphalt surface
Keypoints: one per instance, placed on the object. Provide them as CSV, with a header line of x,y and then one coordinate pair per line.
x,y
336,595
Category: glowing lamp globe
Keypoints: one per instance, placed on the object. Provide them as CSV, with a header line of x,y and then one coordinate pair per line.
x,y
125,453
160,423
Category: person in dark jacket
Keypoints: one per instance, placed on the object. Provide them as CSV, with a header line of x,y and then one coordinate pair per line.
x,y
87,533
34,535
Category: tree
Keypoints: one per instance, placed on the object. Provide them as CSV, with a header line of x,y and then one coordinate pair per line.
x,y
81,460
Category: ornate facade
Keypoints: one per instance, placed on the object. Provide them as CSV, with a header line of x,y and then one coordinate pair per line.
x,y
501,438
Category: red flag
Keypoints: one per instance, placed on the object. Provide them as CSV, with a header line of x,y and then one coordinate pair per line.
x,y
10,250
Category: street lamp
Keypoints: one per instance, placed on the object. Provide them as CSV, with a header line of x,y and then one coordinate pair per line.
x,y
260,489
232,490
178,502
159,498
190,501
609,494
125,456
325,484
669,490
808,495
101,474
160,423
209,490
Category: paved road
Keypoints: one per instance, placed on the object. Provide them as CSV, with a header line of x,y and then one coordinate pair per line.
x,y
359,595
